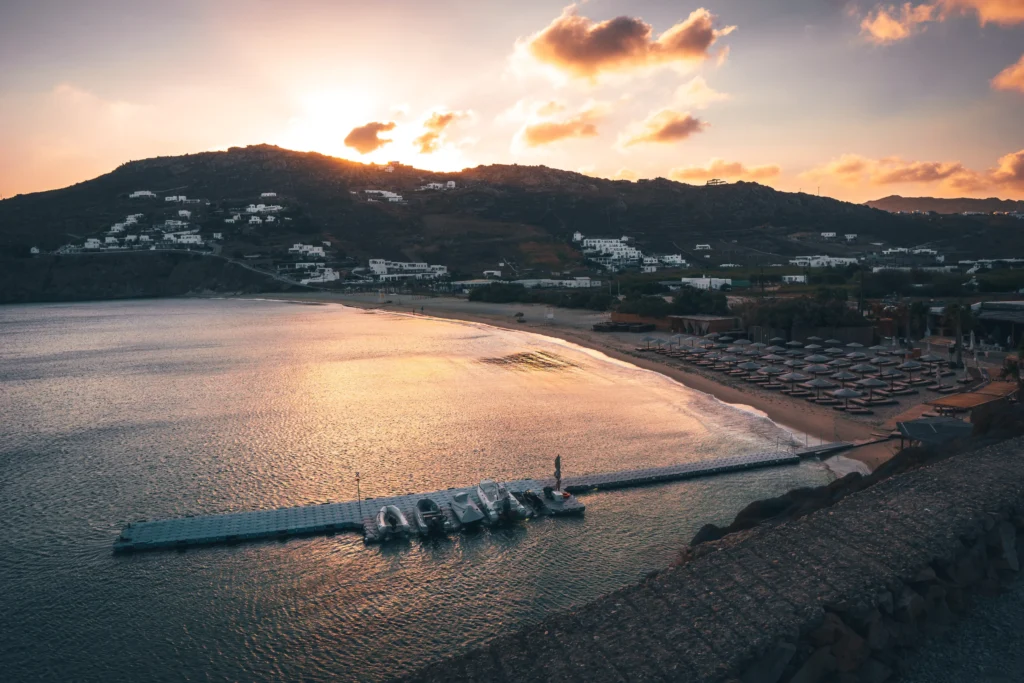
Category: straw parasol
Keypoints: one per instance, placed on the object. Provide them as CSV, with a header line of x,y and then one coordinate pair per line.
x,y
817,358
776,340
771,370
833,342
864,368
648,339
855,345
834,351
815,339
931,358
870,383
791,378
818,384
844,376
795,363
846,394
729,339
813,347
712,335
818,369
794,344
878,348
727,358
773,358
910,367
705,343
857,355
839,363
752,353
892,376
758,345
738,342
775,348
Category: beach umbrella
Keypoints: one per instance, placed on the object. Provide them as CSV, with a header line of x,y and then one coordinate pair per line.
x,y
738,342
714,355
855,345
839,363
772,370
726,358
698,352
833,342
846,394
892,376
758,345
773,358
794,344
752,353
749,366
818,384
931,358
864,368
812,347
775,349
726,339
648,339
712,335
815,339
844,376
882,360
705,343
870,383
818,369
857,355
794,377
817,358
910,366
795,363
834,351
878,348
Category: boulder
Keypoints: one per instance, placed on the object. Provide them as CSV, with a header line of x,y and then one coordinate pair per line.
x,y
819,665
769,668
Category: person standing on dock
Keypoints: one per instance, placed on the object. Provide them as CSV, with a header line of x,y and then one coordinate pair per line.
x,y
558,473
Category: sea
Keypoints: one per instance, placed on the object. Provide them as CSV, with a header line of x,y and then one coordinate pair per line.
x,y
115,412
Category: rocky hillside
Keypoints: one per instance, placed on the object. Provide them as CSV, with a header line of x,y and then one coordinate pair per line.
x,y
498,213
958,205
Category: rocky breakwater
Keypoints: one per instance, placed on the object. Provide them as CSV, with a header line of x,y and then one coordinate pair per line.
x,y
840,595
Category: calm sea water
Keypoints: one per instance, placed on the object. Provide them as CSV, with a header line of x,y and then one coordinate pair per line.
x,y
114,412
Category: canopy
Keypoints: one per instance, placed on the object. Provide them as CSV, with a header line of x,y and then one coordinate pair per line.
x,y
749,365
839,363
910,365
931,358
773,358
794,377
757,345
864,368
776,340
738,342
795,363
846,392
772,370
855,345
814,339
871,383
794,344
818,369
819,383
817,358
775,349
844,376
834,351
812,347
857,355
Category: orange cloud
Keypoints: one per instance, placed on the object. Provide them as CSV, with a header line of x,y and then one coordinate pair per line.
x,y
583,125
1010,170
429,141
698,93
584,48
889,23
1011,78
364,139
718,168
666,126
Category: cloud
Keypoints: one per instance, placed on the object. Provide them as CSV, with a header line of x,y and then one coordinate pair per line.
x,y
718,168
433,127
891,23
697,93
1010,170
364,139
583,48
1011,78
852,169
583,125
665,126
550,108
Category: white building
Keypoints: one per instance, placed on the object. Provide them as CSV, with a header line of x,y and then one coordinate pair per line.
x,y
92,243
110,240
850,237
702,247
255,220
492,273
184,213
116,227
822,261
270,219
577,236
794,279
828,235
707,283
575,283
218,235
267,195
170,223
450,185
401,270
648,269
131,238
138,194
320,275
433,186
299,249
144,238
171,198
389,169
673,260
34,250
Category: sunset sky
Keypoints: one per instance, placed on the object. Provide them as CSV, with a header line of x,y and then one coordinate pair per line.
x,y
858,98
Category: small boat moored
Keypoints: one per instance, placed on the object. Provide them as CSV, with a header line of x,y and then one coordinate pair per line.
x,y
391,522
430,519
465,510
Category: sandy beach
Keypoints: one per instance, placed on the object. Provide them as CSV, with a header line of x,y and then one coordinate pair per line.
x,y
818,423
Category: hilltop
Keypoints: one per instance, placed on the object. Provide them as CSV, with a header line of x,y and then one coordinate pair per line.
x,y
521,216
958,205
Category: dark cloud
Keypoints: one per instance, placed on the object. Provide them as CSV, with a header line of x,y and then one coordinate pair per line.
x,y
434,126
1010,170
364,139
546,132
1011,78
584,48
666,126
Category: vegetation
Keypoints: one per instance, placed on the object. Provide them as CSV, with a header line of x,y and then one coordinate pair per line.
x,y
504,293
687,301
824,310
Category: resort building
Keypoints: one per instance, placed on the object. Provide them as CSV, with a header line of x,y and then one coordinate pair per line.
x,y
184,213
401,270
706,283
267,195
822,261
139,194
702,247
794,279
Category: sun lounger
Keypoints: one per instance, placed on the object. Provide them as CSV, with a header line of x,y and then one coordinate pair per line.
x,y
799,393
860,411
827,401
948,390
840,408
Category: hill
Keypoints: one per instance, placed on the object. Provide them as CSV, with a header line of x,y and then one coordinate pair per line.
x,y
959,205
521,216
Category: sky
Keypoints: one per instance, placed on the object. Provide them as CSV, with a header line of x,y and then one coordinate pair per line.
x,y
846,98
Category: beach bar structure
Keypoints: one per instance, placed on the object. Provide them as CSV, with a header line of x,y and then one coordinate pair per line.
x,y
701,324
357,515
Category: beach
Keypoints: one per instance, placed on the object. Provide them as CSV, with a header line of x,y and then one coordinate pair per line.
x,y
813,423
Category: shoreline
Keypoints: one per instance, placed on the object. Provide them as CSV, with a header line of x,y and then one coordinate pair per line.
x,y
797,416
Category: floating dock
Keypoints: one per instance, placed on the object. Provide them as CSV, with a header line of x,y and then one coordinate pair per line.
x,y
357,516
